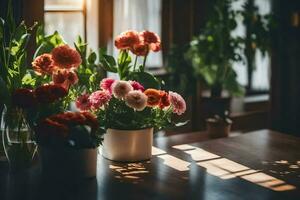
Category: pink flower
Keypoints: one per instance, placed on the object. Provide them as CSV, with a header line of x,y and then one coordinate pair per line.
x,y
121,88
137,86
106,84
177,102
136,100
99,98
83,102
66,57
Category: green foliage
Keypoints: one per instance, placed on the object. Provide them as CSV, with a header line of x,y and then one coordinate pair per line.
x,y
126,71
13,56
213,51
118,115
182,78
89,72
258,35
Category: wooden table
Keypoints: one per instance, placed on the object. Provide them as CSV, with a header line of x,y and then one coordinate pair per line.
x,y
257,165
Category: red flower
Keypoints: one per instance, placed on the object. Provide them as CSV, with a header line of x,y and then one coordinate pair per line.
x,y
59,126
127,40
137,86
50,93
50,128
150,37
43,64
66,57
24,98
140,49
164,100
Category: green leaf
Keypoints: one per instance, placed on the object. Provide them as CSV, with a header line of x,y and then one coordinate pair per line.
x,y
2,22
27,80
146,79
39,35
92,58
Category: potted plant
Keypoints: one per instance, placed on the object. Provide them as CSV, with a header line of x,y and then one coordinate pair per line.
x,y
212,54
130,109
218,126
68,138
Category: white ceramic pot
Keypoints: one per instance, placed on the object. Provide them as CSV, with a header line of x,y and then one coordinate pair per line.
x,y
128,145
68,162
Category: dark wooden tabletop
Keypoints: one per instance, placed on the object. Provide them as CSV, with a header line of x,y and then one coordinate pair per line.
x,y
257,165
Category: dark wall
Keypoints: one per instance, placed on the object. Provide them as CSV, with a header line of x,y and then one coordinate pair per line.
x,y
17,9
285,81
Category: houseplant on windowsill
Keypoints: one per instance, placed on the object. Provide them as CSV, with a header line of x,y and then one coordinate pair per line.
x,y
131,108
212,54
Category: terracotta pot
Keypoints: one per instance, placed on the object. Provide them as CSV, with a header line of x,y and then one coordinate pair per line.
x,y
217,129
128,145
66,162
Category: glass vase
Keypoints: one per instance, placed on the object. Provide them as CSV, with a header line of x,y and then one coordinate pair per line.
x,y
17,139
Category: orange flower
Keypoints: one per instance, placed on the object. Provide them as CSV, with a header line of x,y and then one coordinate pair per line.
x,y
66,57
140,49
65,77
153,97
165,100
127,40
155,47
43,64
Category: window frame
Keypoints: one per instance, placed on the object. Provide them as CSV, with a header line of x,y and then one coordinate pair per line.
x,y
82,10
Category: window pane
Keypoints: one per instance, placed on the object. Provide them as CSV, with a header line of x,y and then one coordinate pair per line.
x,y
63,4
139,15
70,25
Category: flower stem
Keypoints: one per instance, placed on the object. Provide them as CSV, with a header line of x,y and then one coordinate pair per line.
x,y
135,61
144,63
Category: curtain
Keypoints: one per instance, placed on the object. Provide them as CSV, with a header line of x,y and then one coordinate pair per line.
x,y
138,15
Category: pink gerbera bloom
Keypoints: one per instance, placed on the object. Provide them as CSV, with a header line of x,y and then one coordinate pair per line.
x,y
177,102
137,86
106,84
121,88
99,98
83,102
66,57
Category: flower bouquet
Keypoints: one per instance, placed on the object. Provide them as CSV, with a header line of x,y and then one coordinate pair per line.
x,y
129,109
68,138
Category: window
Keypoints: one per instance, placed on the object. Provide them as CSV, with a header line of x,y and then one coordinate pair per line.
x,y
138,15
68,17
261,75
